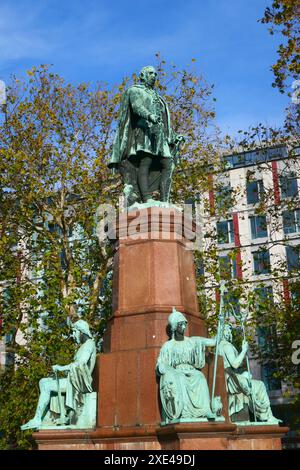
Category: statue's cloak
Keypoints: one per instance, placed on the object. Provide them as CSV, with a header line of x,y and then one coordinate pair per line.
x,y
183,387
79,380
135,133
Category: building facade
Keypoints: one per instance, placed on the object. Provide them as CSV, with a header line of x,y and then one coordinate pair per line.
x,y
253,211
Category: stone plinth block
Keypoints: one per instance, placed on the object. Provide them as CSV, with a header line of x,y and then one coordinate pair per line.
x,y
153,265
188,436
218,436
153,272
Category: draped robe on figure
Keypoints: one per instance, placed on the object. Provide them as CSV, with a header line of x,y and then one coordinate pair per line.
x,y
79,379
239,387
183,387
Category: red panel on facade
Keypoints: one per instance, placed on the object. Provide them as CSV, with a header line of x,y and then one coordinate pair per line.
x,y
286,291
275,183
237,243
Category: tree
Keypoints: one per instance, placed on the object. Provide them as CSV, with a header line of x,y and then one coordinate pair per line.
x,y
53,144
284,17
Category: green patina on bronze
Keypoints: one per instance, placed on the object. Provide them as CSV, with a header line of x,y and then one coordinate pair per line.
x,y
69,401
184,391
243,390
145,149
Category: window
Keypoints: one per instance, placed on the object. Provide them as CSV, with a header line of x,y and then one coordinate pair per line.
x,y
288,185
232,300
227,267
261,261
255,191
199,264
224,198
267,342
263,297
264,292
291,221
292,257
225,231
294,288
258,226
253,157
267,375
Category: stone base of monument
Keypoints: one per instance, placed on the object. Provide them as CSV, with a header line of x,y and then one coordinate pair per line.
x,y
153,272
183,436
217,436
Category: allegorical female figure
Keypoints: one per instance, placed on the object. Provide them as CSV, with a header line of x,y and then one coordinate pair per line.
x,y
184,391
73,387
242,388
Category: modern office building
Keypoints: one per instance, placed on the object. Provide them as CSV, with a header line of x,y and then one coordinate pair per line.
x,y
258,233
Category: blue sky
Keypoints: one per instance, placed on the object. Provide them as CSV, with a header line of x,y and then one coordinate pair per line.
x,y
91,40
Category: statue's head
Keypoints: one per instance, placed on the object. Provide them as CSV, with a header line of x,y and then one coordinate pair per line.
x,y
227,332
148,75
177,322
81,326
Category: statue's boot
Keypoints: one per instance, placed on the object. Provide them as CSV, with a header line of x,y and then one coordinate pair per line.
x,y
166,182
33,423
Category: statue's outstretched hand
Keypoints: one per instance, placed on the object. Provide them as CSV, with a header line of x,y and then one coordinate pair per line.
x,y
57,368
180,138
245,346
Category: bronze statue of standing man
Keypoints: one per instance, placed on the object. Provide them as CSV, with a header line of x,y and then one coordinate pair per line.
x,y
145,148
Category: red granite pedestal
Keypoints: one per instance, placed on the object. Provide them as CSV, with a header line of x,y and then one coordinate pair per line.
x,y
153,272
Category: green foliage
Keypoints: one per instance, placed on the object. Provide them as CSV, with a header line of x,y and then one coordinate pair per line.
x,y
284,17
55,141
280,324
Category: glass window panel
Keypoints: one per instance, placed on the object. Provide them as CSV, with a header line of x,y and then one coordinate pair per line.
x,y
254,191
225,231
228,267
294,288
259,226
232,299
291,221
225,267
289,186
222,230
261,262
263,297
224,198
271,382
297,219
264,292
292,257
231,230
234,268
